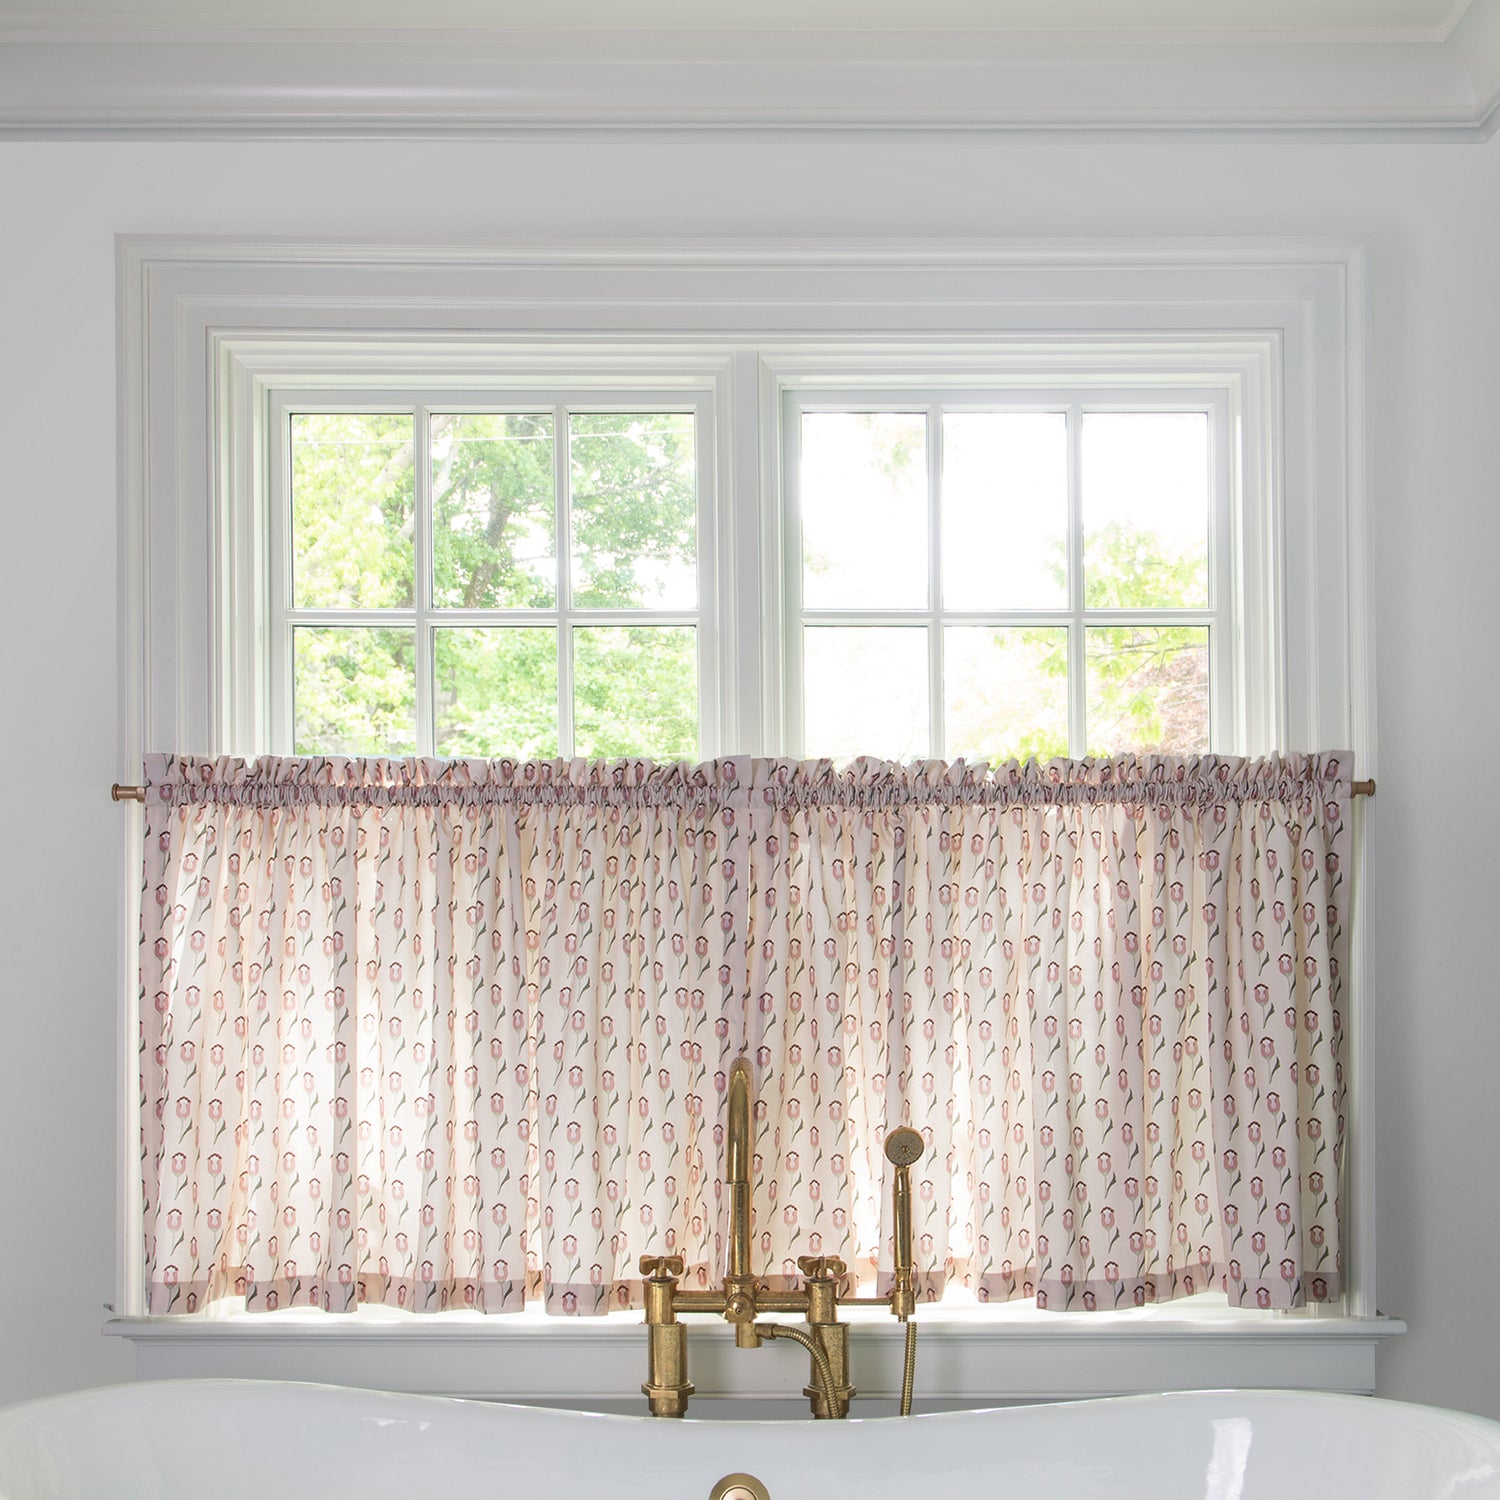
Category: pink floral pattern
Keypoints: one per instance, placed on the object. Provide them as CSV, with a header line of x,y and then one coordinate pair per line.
x,y
456,1033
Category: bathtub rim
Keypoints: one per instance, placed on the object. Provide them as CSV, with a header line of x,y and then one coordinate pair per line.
x,y
1275,1397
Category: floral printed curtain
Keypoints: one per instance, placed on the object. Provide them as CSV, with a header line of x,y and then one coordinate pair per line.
x,y
456,1033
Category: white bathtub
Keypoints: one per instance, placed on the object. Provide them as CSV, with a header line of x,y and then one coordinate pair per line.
x,y
247,1440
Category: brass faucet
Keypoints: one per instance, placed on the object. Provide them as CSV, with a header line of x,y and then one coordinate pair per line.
x,y
742,1299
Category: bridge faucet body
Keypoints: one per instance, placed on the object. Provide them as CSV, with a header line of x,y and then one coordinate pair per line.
x,y
741,1300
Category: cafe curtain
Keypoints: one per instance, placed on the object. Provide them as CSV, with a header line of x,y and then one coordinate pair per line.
x,y
444,1034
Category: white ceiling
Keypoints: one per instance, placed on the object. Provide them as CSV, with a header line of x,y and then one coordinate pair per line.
x,y
1285,20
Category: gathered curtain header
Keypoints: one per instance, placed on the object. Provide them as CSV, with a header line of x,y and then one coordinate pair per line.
x,y
287,781
456,1033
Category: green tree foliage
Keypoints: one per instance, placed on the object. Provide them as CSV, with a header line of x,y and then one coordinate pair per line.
x,y
496,692
635,691
1005,688
1146,684
1147,688
634,511
353,507
356,691
494,527
494,547
633,545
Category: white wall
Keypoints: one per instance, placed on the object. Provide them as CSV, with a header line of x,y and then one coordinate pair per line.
x,y
1432,218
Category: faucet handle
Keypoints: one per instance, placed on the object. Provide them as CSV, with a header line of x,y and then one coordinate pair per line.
x,y
662,1267
821,1267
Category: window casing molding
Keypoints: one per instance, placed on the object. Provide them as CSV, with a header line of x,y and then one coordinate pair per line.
x,y
1275,331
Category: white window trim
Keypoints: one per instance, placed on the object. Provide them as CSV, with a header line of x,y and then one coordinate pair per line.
x,y
1280,326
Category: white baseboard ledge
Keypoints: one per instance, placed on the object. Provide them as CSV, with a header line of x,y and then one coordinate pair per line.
x,y
599,1363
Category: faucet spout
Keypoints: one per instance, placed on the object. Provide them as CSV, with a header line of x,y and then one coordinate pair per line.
x,y
738,1171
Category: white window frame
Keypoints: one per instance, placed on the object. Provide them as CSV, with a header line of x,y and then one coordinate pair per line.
x,y
1277,328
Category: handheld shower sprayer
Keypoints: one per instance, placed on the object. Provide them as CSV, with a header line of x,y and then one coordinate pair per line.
x,y
903,1147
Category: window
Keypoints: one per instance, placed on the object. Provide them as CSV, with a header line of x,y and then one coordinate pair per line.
x,y
1257,347
1022,580
486,582
1022,573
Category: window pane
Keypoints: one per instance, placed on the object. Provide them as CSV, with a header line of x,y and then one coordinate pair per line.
x,y
635,691
1145,510
1005,692
494,542
352,511
865,692
495,692
864,510
634,504
1147,689
354,692
1005,511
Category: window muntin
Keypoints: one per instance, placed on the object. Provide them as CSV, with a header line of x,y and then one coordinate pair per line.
x,y
420,602
1055,579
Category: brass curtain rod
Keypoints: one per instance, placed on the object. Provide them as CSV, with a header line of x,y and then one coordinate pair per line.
x,y
120,793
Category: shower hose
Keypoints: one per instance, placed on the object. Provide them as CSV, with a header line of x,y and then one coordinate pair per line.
x,y
909,1370
825,1372
819,1359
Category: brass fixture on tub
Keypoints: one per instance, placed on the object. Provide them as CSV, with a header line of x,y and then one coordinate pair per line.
x,y
743,1300
739,1487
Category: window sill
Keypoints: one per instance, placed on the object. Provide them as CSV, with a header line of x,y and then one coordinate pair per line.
x,y
964,1357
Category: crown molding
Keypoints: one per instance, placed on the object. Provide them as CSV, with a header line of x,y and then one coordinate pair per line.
x,y
1476,37
341,85
1314,21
